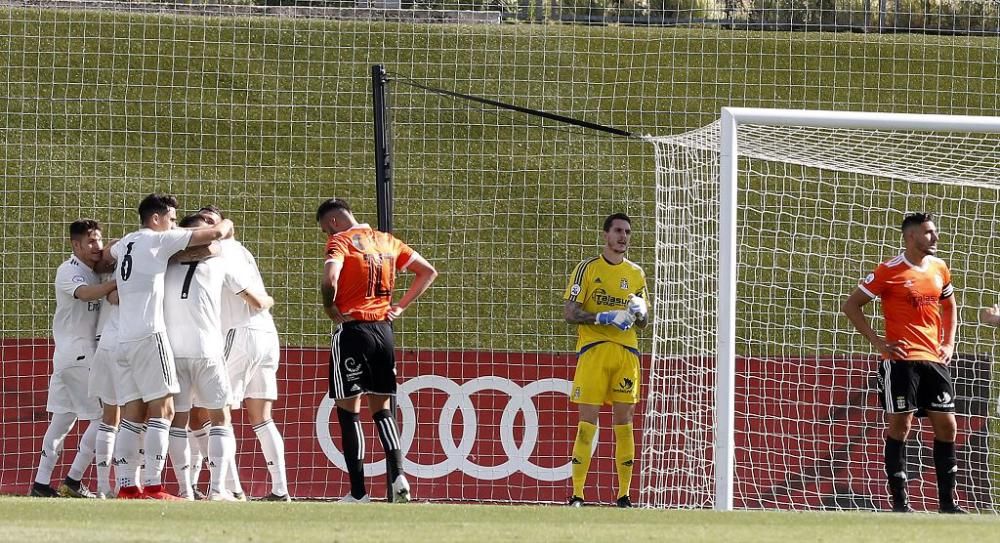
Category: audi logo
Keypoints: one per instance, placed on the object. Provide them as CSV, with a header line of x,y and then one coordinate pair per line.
x,y
457,454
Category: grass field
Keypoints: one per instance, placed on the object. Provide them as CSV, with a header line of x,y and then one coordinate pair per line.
x,y
65,520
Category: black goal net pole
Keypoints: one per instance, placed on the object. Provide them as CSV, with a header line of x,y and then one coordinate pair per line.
x,y
383,190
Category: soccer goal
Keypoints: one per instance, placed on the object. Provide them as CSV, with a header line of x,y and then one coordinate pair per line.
x,y
762,395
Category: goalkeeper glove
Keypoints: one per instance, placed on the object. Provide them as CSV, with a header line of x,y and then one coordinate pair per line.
x,y
619,318
637,306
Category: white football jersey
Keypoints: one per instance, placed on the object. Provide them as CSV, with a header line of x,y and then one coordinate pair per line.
x,y
74,326
235,312
142,258
107,323
193,305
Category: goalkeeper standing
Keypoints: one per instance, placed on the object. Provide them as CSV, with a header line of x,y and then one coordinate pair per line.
x,y
605,298
921,319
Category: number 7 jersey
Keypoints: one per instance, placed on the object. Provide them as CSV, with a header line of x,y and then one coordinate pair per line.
x,y
370,261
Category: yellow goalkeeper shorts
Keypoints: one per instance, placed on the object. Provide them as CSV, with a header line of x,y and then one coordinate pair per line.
x,y
606,373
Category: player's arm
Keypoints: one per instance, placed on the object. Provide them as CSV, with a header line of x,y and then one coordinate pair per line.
x,y
990,315
197,254
949,323
852,308
256,300
107,263
89,293
425,275
113,297
328,290
207,234
574,313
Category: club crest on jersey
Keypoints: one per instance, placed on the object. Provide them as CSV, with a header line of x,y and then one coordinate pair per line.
x,y
624,284
869,278
575,291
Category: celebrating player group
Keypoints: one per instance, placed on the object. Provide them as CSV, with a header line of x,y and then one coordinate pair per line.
x,y
155,352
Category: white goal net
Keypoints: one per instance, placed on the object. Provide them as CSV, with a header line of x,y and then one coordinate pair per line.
x,y
817,209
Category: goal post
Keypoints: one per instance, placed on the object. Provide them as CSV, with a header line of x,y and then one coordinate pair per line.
x,y
781,177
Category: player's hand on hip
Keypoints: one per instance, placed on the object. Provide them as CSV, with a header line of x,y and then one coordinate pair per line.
x,y
893,350
619,318
394,313
637,307
945,352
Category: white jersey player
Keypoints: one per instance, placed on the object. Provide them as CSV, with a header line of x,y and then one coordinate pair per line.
x,y
147,379
252,355
102,387
74,329
194,289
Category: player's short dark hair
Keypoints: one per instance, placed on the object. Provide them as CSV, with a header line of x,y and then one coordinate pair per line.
x,y
156,203
83,227
615,217
331,205
212,209
915,219
192,220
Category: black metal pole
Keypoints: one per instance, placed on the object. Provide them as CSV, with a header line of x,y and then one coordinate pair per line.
x,y
383,148
383,192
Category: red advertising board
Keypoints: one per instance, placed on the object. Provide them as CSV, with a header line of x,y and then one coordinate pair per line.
x,y
498,427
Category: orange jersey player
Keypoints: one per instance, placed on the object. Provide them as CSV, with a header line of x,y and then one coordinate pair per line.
x,y
358,280
921,319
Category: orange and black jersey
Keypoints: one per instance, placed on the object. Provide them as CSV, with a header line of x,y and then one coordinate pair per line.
x,y
370,261
911,302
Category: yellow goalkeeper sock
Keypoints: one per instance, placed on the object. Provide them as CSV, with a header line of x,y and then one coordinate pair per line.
x,y
585,432
624,457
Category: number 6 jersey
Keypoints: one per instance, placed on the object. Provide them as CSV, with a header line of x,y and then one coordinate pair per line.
x,y
142,258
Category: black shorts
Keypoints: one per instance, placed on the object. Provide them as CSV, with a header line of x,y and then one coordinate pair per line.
x,y
362,359
906,386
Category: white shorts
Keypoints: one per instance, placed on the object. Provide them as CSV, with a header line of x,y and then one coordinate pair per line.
x,y
204,383
68,394
102,383
148,371
252,361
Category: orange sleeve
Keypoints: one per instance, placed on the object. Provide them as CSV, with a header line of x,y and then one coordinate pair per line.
x,y
874,283
336,248
403,254
947,290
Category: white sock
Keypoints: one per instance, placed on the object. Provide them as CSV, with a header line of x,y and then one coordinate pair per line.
x,y
52,444
139,462
232,473
155,451
126,453
198,441
86,451
104,450
220,450
180,459
273,448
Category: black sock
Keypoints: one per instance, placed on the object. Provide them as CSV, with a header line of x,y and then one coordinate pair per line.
x,y
389,437
946,467
895,467
354,450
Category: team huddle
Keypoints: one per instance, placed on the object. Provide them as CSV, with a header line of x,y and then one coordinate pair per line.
x,y
157,337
